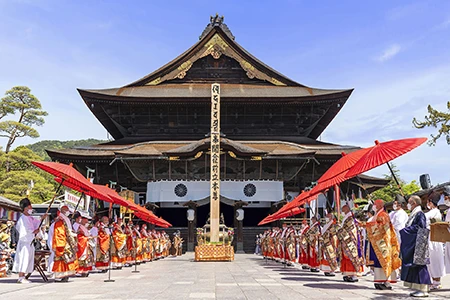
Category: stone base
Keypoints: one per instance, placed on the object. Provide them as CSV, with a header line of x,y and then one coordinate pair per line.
x,y
214,253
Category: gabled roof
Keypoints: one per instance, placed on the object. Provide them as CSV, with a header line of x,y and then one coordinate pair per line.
x,y
165,149
216,41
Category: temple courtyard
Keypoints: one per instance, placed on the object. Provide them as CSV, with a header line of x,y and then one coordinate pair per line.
x,y
248,277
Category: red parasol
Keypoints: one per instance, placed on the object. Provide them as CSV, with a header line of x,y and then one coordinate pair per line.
x,y
66,172
151,218
276,216
343,164
382,153
306,196
92,191
139,211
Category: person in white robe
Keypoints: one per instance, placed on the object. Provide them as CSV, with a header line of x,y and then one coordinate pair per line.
x,y
436,268
446,194
398,217
51,257
94,234
28,227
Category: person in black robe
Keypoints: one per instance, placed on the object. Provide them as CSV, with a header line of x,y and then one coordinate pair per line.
x,y
414,250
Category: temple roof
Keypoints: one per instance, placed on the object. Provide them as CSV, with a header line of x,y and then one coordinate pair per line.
x,y
215,58
166,149
199,90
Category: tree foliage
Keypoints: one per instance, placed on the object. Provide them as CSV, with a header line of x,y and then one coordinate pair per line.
x,y
18,175
23,176
39,147
436,119
23,105
389,192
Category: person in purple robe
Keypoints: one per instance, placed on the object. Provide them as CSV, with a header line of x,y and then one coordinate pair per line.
x,y
414,250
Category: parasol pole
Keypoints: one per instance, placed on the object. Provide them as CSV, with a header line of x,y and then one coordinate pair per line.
x,y
395,178
338,200
49,206
78,204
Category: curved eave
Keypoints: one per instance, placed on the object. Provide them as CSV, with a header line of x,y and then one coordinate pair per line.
x,y
92,97
78,156
175,63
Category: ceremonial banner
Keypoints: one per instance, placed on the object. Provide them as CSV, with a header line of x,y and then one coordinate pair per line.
x,y
215,162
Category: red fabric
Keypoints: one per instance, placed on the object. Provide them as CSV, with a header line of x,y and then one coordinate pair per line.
x,y
382,153
312,258
343,164
63,171
277,216
303,259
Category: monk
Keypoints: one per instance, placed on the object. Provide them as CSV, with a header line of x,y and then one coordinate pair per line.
x,y
384,248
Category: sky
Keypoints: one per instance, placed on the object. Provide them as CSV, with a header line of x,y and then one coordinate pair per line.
x,y
395,54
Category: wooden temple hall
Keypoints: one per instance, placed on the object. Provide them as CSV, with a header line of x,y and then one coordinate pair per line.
x,y
160,126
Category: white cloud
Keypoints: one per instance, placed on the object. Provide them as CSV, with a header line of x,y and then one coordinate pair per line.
x,y
389,53
385,110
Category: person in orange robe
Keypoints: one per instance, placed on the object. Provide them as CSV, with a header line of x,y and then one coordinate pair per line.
x,y
304,246
313,244
328,246
145,243
350,240
85,253
118,251
384,248
138,243
130,244
65,247
103,243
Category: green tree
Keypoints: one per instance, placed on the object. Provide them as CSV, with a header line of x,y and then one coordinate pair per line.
x,y
41,146
389,192
28,110
436,119
23,176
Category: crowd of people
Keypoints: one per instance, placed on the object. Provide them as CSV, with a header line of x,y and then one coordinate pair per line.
x,y
79,245
390,247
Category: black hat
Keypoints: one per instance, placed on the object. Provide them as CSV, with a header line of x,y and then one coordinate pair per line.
x,y
76,215
446,191
434,198
24,203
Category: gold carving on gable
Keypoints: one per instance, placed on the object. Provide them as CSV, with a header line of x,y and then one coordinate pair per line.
x,y
183,69
216,40
155,81
248,68
216,47
276,82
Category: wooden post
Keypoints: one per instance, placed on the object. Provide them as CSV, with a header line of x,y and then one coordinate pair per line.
x,y
337,197
215,163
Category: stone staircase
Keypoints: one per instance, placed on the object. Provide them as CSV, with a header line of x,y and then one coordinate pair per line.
x,y
249,235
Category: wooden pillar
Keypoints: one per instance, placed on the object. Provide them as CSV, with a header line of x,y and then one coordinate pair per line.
x,y
215,164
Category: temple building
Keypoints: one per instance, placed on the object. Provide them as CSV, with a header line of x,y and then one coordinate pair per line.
x,y
160,125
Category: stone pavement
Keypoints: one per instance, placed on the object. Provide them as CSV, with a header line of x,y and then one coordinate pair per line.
x,y
248,277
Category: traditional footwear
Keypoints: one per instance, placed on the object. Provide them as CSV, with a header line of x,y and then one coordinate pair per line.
x,y
435,287
23,280
377,286
383,286
345,278
330,274
352,279
315,270
419,294
305,267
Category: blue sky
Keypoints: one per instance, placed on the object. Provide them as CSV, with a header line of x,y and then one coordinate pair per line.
x,y
394,53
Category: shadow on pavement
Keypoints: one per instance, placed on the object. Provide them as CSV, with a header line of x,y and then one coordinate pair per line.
x,y
315,279
340,286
